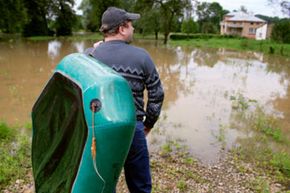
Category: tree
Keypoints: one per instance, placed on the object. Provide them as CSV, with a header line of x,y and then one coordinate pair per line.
x,y
36,24
209,16
150,21
268,19
189,26
171,11
12,16
93,10
244,9
285,6
63,16
281,31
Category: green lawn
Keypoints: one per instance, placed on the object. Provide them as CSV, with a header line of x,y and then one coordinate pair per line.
x,y
266,46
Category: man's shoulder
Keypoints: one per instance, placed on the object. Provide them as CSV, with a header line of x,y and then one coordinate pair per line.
x,y
138,50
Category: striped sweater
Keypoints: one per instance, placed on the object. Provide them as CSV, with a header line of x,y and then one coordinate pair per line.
x,y
136,66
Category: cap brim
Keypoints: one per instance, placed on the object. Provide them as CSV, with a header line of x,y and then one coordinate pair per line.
x,y
133,16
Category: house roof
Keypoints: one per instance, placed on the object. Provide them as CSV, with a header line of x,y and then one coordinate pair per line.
x,y
241,16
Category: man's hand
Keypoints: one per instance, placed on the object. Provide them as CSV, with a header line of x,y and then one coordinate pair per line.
x,y
146,131
98,43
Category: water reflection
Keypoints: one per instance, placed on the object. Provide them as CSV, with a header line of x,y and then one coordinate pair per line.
x,y
80,46
53,49
198,85
198,101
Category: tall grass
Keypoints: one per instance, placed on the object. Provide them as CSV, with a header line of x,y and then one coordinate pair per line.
x,y
14,155
267,146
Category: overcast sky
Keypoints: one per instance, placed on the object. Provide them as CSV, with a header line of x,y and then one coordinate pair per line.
x,y
255,6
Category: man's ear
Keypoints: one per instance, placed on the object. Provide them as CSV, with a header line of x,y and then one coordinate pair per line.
x,y
122,30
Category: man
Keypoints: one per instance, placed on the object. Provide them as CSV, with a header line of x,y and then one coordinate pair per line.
x,y
137,67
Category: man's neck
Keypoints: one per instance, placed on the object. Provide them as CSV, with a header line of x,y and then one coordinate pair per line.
x,y
116,37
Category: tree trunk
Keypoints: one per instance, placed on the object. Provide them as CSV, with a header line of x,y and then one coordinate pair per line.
x,y
156,35
165,37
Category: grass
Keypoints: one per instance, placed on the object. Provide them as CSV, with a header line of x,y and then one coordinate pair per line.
x,y
265,46
14,156
267,147
82,37
76,37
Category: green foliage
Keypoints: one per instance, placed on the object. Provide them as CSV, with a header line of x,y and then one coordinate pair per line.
x,y
281,160
260,185
34,17
281,31
209,27
209,16
12,16
181,185
267,18
149,22
231,42
268,126
267,146
6,132
93,11
189,26
36,24
65,19
182,36
171,11
15,156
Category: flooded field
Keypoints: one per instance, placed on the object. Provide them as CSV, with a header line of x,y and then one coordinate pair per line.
x,y
200,85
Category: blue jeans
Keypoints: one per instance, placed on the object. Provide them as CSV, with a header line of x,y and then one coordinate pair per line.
x,y
137,167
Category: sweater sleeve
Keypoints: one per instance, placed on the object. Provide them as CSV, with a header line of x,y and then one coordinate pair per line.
x,y
155,93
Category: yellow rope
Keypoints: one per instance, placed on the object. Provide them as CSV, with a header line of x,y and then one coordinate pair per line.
x,y
94,147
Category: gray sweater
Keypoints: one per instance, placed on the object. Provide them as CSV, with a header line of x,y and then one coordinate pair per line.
x,y
136,66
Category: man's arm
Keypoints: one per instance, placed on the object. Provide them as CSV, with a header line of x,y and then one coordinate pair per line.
x,y
155,95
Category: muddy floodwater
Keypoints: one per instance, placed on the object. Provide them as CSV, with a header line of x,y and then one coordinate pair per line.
x,y
198,84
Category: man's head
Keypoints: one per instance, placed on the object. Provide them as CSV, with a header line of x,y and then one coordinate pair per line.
x,y
114,18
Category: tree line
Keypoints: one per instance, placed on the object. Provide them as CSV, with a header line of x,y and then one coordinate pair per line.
x,y
57,17
37,17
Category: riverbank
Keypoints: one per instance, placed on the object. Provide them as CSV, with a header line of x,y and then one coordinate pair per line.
x,y
178,172
265,46
251,166
202,41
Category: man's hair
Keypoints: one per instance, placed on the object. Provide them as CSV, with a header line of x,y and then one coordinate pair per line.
x,y
115,30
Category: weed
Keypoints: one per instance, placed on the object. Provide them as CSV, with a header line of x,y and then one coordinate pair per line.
x,y
181,185
282,161
268,125
166,149
6,132
15,155
259,185
267,144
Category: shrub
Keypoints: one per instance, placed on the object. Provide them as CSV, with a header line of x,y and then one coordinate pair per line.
x,y
6,132
281,31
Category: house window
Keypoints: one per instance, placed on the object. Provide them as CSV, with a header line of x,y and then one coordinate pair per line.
x,y
252,30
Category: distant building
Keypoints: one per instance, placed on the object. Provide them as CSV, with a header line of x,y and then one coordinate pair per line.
x,y
244,25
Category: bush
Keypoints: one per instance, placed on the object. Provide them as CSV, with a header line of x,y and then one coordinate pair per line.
x,y
281,31
6,132
183,36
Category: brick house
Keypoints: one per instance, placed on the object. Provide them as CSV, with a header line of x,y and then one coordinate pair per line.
x,y
241,24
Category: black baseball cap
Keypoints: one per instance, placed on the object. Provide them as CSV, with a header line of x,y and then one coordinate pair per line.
x,y
114,16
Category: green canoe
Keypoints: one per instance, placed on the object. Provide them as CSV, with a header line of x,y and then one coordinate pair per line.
x,y
84,105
